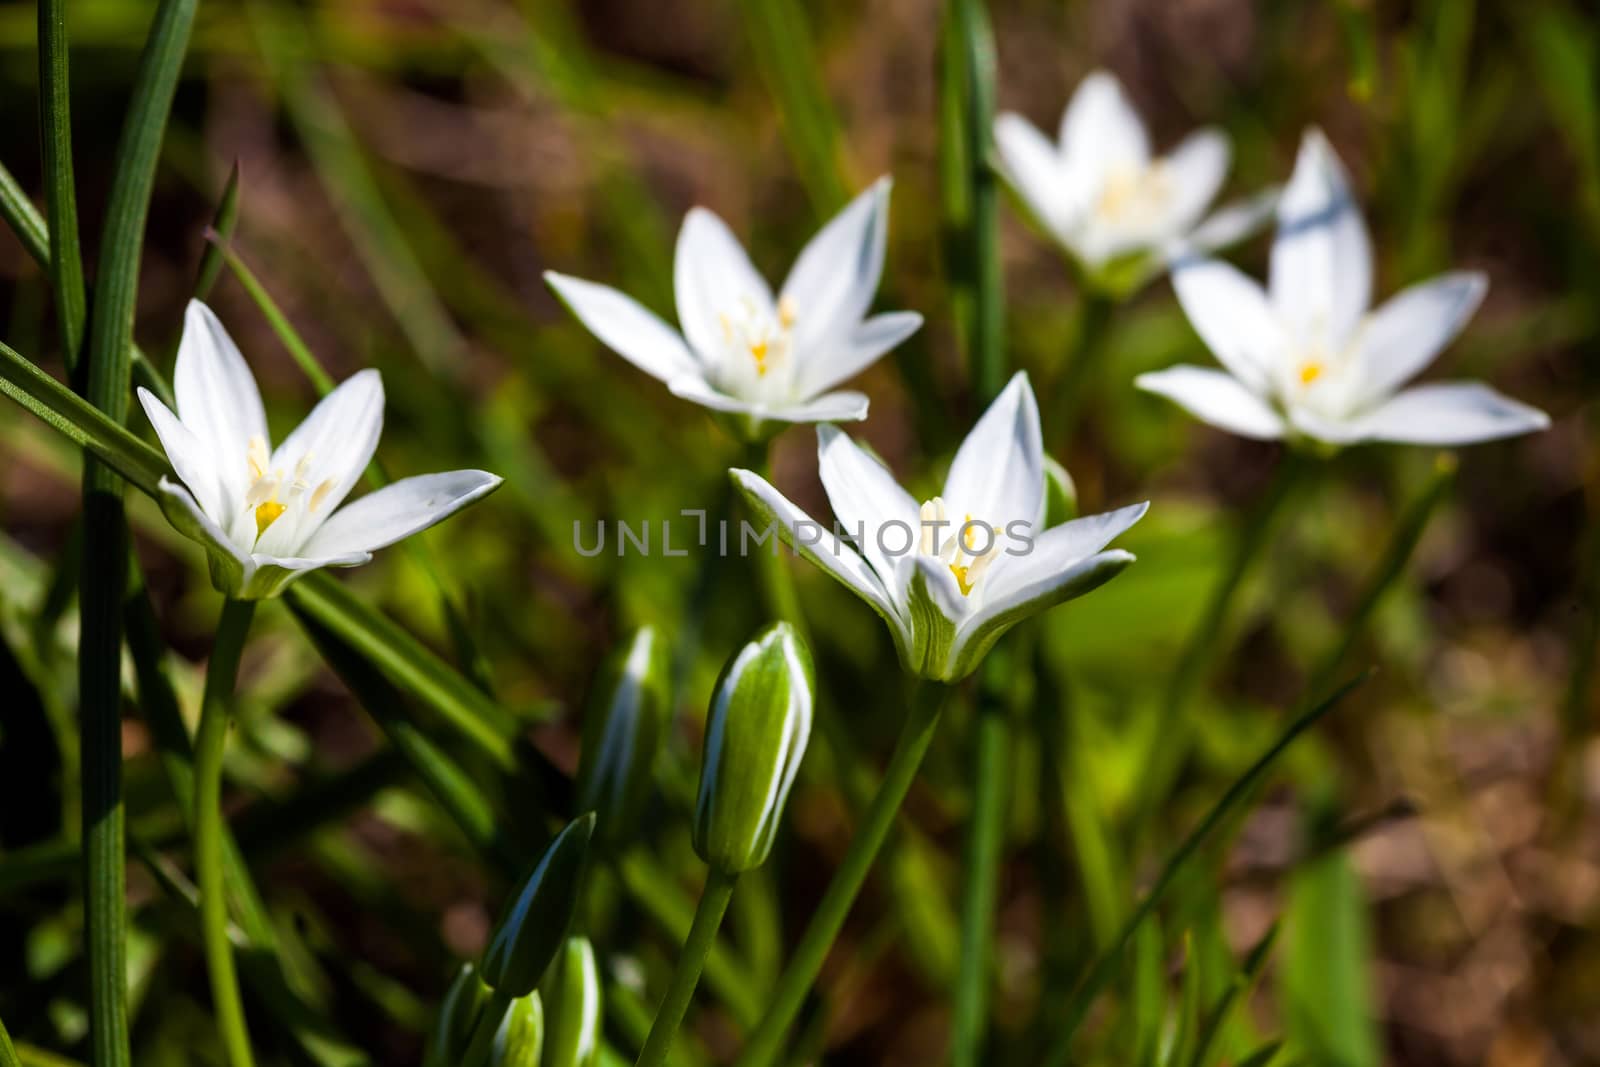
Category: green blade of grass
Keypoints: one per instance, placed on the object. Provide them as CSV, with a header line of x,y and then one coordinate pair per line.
x,y
223,224
1238,990
106,542
61,200
1105,966
24,219
781,41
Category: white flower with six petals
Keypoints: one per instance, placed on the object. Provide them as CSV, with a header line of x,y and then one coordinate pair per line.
x,y
1308,357
1102,194
267,516
951,575
743,352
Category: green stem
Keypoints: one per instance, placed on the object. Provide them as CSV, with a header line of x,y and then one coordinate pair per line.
x,y
702,935
921,719
61,202
210,741
494,1013
985,839
1088,344
1206,638
1207,634
1402,543
777,581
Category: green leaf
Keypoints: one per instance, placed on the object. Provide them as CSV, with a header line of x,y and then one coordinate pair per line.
x,y
1325,985
61,200
220,233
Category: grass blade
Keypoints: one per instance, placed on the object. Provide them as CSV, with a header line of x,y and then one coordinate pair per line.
x,y
222,225
61,200
1106,965
106,542
782,43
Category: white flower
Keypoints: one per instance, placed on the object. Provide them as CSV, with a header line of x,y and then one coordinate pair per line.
x,y
1307,357
1103,197
744,353
951,575
267,516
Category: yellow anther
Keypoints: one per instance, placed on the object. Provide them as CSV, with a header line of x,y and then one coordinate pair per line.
x,y
267,514
786,312
1310,371
964,577
256,456
758,351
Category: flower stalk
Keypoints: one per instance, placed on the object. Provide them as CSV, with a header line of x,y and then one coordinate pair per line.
x,y
922,719
691,961
210,742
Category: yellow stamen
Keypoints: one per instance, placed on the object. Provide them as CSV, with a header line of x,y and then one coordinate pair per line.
x,y
256,456
786,312
320,494
758,350
1310,371
267,514
964,577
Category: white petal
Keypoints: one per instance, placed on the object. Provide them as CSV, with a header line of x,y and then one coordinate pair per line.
x,y
203,529
998,473
1217,398
398,510
1101,134
217,396
1232,222
713,277
1056,550
1321,258
834,556
998,614
1230,312
857,351
625,326
867,500
189,456
1404,335
1034,168
833,282
830,407
336,441
1197,169
1445,414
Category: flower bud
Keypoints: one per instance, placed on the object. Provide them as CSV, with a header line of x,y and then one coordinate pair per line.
x,y
621,734
459,1012
572,992
536,920
520,1039
756,734
1060,495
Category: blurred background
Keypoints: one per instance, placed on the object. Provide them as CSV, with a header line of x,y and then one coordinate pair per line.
x,y
409,167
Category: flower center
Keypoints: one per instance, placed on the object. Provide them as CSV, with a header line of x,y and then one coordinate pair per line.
x,y
967,549
1130,192
262,496
750,330
1310,371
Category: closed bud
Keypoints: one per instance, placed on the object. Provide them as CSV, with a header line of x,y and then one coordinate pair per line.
x,y
520,1039
1060,495
459,1011
621,734
756,734
572,998
535,922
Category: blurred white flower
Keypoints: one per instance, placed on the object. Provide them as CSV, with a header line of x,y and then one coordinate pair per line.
x,y
1308,357
267,516
951,575
1103,196
744,353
